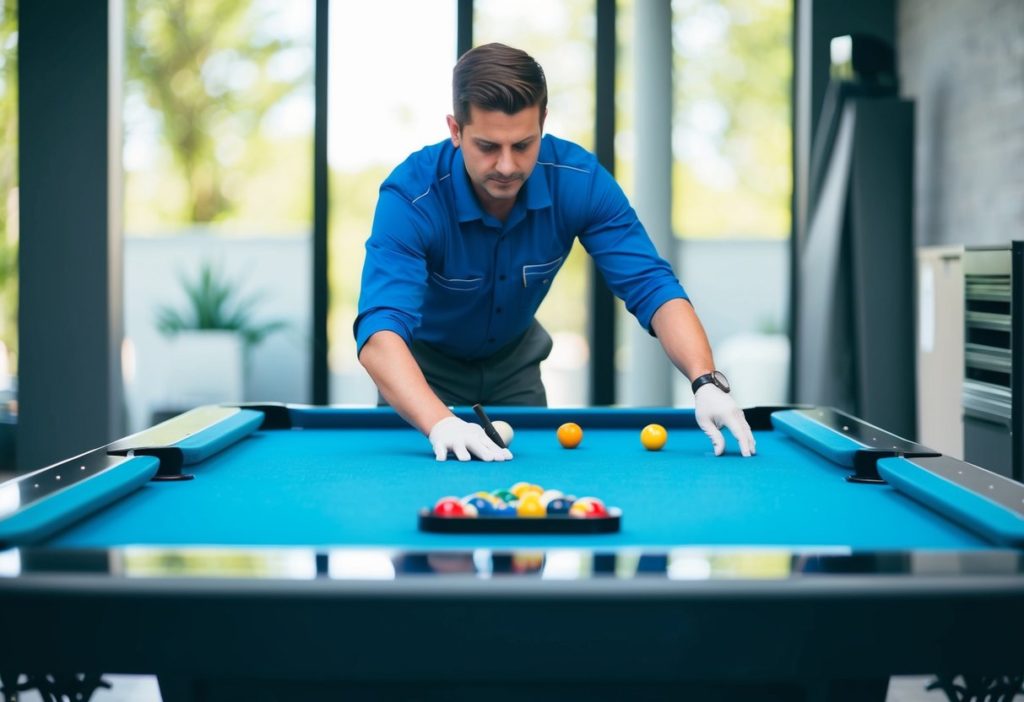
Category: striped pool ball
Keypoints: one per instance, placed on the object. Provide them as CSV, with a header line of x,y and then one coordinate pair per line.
x,y
588,508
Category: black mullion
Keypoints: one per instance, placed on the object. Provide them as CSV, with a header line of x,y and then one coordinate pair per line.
x,y
795,226
464,27
601,329
321,288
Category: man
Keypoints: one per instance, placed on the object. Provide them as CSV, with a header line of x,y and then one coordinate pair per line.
x,y
468,235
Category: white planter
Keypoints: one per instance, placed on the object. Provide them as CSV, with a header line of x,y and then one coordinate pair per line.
x,y
203,367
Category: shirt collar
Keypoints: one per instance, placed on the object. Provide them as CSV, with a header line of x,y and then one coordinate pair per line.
x,y
534,195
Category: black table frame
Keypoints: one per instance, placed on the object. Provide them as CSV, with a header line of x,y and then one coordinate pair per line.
x,y
832,616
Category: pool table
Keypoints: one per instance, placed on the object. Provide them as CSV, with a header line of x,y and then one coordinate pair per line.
x,y
280,543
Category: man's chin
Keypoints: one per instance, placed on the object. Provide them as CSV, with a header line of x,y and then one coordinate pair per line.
x,y
507,192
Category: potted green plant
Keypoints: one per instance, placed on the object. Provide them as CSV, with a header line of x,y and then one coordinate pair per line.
x,y
208,340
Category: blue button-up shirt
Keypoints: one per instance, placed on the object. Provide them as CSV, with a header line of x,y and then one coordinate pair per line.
x,y
441,270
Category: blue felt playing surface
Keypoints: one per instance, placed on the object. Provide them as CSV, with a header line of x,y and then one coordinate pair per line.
x,y
322,487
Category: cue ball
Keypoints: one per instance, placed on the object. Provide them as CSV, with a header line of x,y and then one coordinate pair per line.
x,y
504,430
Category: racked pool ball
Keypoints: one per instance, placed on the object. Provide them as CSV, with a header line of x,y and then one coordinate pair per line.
x,y
521,488
530,506
557,505
504,511
570,435
504,430
531,490
481,505
505,495
449,507
588,508
549,495
653,437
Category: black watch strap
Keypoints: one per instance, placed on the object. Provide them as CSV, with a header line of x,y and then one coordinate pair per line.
x,y
716,378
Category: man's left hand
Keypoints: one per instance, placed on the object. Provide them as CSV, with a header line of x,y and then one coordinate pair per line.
x,y
717,409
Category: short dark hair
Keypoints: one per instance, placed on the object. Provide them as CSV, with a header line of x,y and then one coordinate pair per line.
x,y
497,77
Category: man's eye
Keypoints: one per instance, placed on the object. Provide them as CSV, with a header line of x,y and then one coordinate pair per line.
x,y
520,147
487,148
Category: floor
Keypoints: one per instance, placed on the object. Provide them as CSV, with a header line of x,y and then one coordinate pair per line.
x,y
134,688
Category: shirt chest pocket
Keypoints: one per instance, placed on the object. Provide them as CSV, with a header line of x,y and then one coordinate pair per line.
x,y
541,274
466,284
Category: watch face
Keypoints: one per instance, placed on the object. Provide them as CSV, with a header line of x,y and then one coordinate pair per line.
x,y
721,381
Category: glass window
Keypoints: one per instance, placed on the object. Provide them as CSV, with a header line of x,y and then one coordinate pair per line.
x,y
8,231
389,93
732,179
732,141
218,119
561,37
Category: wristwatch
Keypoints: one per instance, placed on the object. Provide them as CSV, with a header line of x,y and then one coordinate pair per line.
x,y
716,378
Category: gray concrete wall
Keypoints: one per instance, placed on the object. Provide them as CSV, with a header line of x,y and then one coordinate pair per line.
x,y
963,63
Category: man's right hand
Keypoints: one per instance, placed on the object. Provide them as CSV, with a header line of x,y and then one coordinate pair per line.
x,y
464,438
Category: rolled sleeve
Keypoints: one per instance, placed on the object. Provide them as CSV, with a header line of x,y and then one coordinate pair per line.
x,y
625,254
394,272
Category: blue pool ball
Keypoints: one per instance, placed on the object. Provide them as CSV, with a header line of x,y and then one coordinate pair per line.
x,y
559,505
484,507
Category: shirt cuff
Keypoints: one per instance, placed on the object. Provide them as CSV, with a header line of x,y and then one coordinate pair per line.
x,y
374,322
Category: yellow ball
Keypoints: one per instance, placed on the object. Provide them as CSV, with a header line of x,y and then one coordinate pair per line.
x,y
653,437
520,489
570,435
530,506
531,490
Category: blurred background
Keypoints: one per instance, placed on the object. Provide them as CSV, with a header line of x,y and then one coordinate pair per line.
x,y
214,168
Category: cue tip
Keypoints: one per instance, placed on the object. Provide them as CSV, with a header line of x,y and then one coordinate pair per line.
x,y
489,429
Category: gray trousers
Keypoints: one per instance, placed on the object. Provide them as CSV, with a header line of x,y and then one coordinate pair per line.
x,y
510,376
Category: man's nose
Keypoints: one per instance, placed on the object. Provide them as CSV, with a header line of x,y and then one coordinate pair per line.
x,y
506,164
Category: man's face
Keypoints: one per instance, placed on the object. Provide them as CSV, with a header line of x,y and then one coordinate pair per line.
x,y
500,152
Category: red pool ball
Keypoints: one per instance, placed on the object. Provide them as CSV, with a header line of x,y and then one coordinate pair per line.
x,y
449,507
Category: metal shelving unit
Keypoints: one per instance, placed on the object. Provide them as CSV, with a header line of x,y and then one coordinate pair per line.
x,y
993,344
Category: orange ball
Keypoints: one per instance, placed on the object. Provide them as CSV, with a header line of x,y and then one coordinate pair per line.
x,y
570,435
653,437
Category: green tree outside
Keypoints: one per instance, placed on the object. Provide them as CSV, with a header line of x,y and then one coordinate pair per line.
x,y
733,77
206,68
9,179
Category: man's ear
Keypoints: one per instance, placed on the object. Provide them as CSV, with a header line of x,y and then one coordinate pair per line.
x,y
453,127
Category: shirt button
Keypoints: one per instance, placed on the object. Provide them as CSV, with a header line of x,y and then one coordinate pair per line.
x,y
497,310
491,340
501,277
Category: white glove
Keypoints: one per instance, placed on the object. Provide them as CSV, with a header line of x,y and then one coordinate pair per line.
x,y
462,439
716,409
